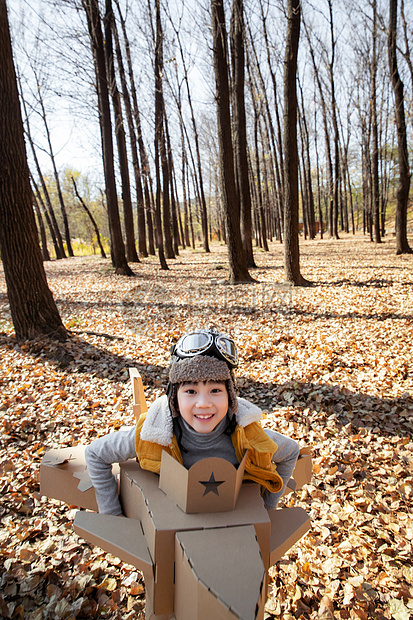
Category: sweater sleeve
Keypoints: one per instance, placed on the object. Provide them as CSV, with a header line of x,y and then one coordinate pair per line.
x,y
285,457
100,455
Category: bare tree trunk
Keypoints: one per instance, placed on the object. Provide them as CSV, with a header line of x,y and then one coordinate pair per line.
x,y
307,171
33,310
174,214
275,167
145,169
406,53
131,254
204,214
185,234
335,126
330,208
43,239
40,201
159,135
239,125
134,148
59,247
260,209
96,39
375,145
319,201
237,261
56,175
402,245
191,225
92,219
274,87
291,246
60,250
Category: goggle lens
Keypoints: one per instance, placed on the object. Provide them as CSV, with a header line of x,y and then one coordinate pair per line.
x,y
227,347
192,343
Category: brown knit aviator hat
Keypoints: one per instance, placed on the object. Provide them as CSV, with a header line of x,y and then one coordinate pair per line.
x,y
203,355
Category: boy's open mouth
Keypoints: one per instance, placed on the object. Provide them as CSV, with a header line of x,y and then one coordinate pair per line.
x,y
205,416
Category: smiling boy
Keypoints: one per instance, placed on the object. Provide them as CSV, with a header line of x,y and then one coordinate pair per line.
x,y
200,416
203,405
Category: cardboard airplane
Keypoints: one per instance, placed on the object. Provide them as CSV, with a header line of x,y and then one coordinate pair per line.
x,y
202,537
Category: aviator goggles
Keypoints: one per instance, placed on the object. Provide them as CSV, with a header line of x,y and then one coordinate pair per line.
x,y
206,343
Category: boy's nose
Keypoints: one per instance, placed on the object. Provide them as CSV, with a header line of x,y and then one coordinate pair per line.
x,y
203,401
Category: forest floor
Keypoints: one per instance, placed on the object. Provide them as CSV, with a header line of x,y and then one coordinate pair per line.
x,y
330,365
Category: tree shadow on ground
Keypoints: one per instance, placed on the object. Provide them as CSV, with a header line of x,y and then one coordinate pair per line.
x,y
371,283
76,355
375,316
333,406
310,403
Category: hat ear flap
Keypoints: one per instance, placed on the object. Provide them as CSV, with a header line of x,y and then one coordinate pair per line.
x,y
173,400
232,397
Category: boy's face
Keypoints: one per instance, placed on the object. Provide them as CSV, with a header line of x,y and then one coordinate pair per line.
x,y
203,404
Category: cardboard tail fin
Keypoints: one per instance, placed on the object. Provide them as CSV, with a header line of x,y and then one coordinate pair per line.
x,y
219,573
287,527
139,401
119,536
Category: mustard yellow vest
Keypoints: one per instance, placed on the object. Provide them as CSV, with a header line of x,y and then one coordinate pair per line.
x,y
258,467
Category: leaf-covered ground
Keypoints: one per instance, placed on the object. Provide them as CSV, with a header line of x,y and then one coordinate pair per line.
x,y
331,365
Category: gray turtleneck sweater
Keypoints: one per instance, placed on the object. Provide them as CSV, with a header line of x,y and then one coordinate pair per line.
x,y
196,446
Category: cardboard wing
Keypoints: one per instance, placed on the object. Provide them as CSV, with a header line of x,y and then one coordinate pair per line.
x,y
121,537
210,485
288,525
63,475
302,472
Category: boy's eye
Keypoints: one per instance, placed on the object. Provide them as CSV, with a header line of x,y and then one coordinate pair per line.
x,y
190,391
216,390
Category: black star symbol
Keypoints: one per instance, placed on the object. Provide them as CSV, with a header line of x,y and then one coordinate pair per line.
x,y
211,486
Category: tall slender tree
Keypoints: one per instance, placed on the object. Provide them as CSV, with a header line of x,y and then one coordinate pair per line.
x,y
32,306
55,232
330,208
240,126
117,246
129,225
200,179
336,141
55,172
145,169
43,238
133,144
402,245
237,260
159,135
291,245
374,127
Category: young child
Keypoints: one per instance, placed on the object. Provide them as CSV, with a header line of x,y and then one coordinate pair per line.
x,y
200,416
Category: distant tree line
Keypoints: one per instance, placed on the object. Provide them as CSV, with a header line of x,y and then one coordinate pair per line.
x,y
181,175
